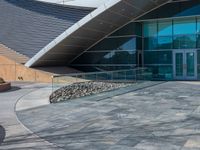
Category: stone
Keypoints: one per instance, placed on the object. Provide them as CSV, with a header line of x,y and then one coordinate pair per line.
x,y
82,89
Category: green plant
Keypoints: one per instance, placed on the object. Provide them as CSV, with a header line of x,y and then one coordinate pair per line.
x,y
1,80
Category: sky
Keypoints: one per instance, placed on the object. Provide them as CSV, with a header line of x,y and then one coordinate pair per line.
x,y
84,3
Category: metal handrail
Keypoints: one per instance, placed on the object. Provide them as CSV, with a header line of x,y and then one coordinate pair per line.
x,y
93,73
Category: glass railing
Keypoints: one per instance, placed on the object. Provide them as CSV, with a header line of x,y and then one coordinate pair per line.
x,y
120,76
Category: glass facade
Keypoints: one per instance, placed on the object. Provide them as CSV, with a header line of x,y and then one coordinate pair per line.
x,y
175,9
116,52
159,40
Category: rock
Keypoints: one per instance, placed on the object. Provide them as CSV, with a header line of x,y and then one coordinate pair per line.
x,y
82,89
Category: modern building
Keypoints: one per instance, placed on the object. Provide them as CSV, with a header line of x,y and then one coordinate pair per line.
x,y
162,35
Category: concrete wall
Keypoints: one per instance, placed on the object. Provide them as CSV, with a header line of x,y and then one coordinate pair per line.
x,y
11,71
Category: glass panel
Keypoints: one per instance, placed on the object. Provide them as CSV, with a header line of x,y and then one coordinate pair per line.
x,y
198,70
184,26
162,72
198,57
122,43
179,64
150,29
165,42
109,57
184,8
198,41
124,57
95,58
158,57
150,43
164,28
185,41
190,63
198,25
139,43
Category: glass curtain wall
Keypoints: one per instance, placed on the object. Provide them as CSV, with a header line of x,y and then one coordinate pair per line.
x,y
174,9
158,43
116,52
163,36
198,46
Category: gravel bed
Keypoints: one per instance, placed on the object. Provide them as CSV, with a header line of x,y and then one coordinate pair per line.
x,y
82,89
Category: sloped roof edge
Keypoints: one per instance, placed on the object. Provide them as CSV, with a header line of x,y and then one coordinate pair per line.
x,y
71,30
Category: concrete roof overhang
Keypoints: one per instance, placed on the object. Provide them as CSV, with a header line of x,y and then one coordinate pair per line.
x,y
92,29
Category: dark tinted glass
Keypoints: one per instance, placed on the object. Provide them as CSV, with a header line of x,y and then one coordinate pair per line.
x,y
165,42
158,57
139,43
198,41
122,43
175,9
95,58
185,41
124,57
150,43
198,57
150,29
162,72
110,57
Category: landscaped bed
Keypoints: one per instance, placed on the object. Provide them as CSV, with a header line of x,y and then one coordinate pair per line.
x,y
4,86
82,89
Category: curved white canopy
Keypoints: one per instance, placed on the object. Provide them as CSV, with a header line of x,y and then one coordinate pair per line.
x,y
91,29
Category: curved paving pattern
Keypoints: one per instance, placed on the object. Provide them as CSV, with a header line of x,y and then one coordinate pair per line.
x,y
162,117
16,136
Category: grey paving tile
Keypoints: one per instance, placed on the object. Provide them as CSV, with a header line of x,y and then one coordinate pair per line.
x,y
161,117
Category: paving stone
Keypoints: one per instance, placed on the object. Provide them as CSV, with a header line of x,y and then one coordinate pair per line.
x,y
157,117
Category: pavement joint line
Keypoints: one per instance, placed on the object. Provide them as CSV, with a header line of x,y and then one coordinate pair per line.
x,y
31,132
130,91
160,124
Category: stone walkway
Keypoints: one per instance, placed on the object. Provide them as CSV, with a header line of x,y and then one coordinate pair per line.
x,y
161,117
12,133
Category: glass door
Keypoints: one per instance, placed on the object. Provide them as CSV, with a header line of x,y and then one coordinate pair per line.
x,y
179,65
185,64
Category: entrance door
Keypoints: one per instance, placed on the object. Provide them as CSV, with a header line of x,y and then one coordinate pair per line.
x,y
185,64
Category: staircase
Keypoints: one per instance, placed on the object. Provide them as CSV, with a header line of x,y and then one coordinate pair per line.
x,y
13,55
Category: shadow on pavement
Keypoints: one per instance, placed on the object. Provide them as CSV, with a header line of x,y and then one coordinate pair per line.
x,y
2,134
14,88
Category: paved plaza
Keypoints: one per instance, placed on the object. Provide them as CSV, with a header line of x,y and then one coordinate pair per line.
x,y
165,116
13,135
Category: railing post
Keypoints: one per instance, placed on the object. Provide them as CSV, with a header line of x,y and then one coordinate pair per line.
x,y
112,76
125,75
52,84
135,75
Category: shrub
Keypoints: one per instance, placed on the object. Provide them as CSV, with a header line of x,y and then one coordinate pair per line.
x,y
1,80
